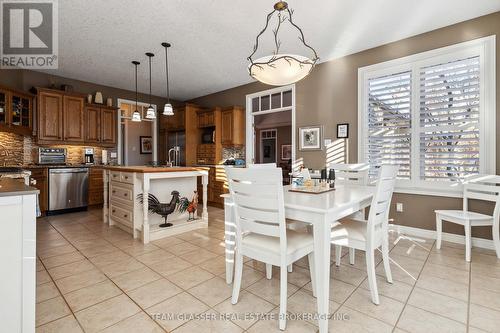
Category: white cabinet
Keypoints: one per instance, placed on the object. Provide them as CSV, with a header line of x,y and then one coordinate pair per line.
x,y
17,263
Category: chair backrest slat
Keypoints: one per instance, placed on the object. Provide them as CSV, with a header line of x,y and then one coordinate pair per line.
x,y
356,174
379,209
483,187
257,193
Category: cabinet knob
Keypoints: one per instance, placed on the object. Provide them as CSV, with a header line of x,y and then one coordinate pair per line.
x,y
113,211
114,191
126,177
126,215
125,194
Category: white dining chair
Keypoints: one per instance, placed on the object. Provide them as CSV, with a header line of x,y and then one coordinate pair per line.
x,y
261,233
351,174
480,188
371,234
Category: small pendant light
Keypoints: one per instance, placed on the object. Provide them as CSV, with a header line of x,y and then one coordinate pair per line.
x,y
136,116
168,109
150,113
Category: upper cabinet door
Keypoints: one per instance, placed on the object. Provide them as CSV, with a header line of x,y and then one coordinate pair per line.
x,y
108,126
4,103
227,127
92,125
73,119
50,111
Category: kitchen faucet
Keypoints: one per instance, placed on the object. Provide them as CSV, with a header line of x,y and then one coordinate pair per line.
x,y
175,161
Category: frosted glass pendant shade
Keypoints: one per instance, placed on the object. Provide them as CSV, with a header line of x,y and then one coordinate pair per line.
x,y
150,113
281,69
168,110
136,116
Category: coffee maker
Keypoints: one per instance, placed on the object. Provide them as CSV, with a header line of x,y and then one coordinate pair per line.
x,y
89,155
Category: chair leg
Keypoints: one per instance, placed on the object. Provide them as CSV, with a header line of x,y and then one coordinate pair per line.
x,y
312,270
269,271
352,255
238,272
372,280
439,230
496,237
283,297
468,241
338,254
385,258
290,268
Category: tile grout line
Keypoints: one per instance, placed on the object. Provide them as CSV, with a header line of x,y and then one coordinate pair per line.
x,y
413,287
107,277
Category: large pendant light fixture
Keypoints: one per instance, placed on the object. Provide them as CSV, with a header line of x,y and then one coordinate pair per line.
x,y
281,69
150,113
168,110
136,116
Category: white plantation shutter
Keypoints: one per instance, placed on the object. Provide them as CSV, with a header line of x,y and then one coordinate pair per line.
x,y
449,120
389,122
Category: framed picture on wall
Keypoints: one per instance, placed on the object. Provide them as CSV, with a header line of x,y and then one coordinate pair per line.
x,y
310,137
286,152
146,144
342,131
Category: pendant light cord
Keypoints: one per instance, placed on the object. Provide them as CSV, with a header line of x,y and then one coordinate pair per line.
x,y
150,79
166,66
136,95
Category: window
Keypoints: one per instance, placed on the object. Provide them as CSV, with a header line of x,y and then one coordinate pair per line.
x,y
432,113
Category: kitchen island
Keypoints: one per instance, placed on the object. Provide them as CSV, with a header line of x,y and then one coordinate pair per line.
x,y
124,185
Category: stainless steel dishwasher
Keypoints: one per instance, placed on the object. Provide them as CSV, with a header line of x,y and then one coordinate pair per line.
x,y
68,189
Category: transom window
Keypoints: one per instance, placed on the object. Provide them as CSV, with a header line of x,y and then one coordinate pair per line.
x,y
432,113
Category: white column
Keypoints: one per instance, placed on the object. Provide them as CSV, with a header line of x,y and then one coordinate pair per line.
x,y
204,181
145,222
105,210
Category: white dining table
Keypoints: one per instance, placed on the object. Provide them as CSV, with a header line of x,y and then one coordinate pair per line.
x,y
319,210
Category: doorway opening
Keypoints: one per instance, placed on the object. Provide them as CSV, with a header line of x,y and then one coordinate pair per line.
x,y
137,141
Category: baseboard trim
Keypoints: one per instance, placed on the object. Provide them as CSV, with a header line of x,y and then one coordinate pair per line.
x,y
452,238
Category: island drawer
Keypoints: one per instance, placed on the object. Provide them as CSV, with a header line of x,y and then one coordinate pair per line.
x,y
123,192
121,215
114,175
127,177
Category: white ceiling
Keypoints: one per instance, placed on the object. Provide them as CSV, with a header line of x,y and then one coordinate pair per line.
x,y
211,39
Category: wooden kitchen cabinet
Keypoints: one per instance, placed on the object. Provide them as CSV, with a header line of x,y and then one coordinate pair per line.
x,y
206,119
16,111
50,116
73,117
233,126
92,125
108,126
96,186
42,182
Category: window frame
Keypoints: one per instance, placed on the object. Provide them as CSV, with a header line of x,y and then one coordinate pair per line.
x,y
482,47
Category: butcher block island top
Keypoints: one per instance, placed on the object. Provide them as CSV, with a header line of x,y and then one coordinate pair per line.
x,y
154,202
150,169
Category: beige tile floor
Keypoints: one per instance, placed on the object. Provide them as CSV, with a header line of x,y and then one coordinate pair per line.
x,y
93,278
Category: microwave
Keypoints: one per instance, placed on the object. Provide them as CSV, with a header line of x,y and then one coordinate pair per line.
x,y
208,136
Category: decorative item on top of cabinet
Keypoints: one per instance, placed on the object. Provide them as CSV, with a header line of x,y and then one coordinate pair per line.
x,y
98,98
16,111
233,126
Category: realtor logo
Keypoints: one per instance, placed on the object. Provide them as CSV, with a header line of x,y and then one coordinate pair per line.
x,y
29,34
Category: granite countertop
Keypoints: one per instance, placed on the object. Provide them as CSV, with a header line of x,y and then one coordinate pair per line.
x,y
42,166
10,187
149,169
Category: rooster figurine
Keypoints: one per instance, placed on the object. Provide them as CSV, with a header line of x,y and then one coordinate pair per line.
x,y
189,206
163,209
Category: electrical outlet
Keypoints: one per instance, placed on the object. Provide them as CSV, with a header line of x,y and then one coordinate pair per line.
x,y
399,207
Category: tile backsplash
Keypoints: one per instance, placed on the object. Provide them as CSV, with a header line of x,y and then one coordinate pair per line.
x,y
233,152
18,150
